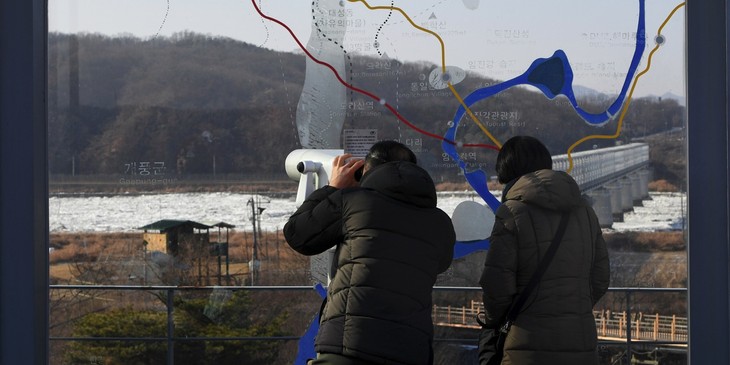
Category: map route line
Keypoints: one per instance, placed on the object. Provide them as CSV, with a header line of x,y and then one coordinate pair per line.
x,y
477,178
365,92
472,116
628,99
266,40
443,64
167,12
553,76
376,43
391,8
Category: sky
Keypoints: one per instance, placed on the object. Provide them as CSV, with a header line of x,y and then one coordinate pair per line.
x,y
496,38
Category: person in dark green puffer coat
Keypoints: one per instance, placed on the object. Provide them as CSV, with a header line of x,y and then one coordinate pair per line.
x,y
392,241
556,324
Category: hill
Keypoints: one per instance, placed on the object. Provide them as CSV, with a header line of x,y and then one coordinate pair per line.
x,y
196,104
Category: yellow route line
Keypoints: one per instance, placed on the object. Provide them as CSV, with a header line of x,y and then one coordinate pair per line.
x,y
473,117
443,64
625,108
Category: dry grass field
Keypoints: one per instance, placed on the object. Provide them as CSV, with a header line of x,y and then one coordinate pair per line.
x,y
74,252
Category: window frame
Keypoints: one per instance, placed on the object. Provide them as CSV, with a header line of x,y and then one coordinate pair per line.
x,y
24,181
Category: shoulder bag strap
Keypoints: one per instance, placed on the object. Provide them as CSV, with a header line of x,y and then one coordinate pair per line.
x,y
544,263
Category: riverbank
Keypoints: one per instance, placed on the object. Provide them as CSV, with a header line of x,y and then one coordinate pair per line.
x,y
233,183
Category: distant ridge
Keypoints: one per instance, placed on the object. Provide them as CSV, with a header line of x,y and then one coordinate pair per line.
x,y
583,93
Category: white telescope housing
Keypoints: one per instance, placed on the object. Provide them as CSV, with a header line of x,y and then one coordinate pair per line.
x,y
311,167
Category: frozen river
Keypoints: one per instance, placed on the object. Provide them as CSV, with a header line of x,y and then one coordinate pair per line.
x,y
126,213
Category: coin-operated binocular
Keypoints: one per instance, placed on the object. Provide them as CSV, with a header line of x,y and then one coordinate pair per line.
x,y
312,168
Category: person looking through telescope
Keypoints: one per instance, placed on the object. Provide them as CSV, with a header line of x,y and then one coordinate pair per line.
x,y
391,242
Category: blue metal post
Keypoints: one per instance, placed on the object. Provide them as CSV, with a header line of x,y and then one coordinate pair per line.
x,y
707,133
23,183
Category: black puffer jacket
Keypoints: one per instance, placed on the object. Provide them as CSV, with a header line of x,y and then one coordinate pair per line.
x,y
393,242
556,324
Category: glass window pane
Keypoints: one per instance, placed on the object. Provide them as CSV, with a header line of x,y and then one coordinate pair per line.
x,y
171,123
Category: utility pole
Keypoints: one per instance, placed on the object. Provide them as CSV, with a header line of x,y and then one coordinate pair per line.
x,y
253,265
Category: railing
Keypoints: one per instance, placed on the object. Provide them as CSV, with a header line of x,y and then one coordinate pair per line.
x,y
595,167
611,326
460,317
629,327
646,327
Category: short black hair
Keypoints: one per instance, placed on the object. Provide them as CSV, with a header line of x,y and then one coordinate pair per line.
x,y
387,151
521,155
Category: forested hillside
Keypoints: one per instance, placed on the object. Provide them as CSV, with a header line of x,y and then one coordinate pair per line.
x,y
226,106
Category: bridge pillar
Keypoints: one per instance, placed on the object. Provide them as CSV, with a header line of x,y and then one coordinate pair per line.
x,y
614,190
636,194
627,197
602,206
645,176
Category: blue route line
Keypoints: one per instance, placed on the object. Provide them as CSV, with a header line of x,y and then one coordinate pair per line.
x,y
553,76
306,343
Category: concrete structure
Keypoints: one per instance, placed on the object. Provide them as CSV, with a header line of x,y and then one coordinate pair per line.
x,y
616,178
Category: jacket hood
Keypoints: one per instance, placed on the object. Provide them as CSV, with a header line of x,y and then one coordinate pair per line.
x,y
402,180
554,190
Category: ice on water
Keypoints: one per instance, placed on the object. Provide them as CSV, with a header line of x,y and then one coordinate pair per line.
x,y
126,213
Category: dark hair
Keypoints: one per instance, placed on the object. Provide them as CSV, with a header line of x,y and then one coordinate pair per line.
x,y
387,151
521,155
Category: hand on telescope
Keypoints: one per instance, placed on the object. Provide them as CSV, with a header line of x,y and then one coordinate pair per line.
x,y
343,171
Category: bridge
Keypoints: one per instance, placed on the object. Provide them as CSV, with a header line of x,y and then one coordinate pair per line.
x,y
610,326
616,178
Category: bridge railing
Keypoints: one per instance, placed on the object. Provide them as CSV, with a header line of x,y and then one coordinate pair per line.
x,y
595,167
609,325
627,325
645,327
463,317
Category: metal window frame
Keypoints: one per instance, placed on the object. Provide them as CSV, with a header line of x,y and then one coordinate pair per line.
x,y
708,252
24,181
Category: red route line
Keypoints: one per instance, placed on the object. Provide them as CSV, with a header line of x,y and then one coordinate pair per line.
x,y
365,92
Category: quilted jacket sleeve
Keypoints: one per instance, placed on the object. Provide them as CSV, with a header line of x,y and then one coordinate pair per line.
x,y
317,224
600,273
498,280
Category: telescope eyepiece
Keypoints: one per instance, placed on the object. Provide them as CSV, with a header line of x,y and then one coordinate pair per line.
x,y
306,166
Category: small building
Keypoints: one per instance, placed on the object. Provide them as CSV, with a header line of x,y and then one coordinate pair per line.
x,y
220,246
174,237
172,234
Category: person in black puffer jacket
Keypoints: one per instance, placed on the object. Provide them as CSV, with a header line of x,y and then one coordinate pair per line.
x,y
392,241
